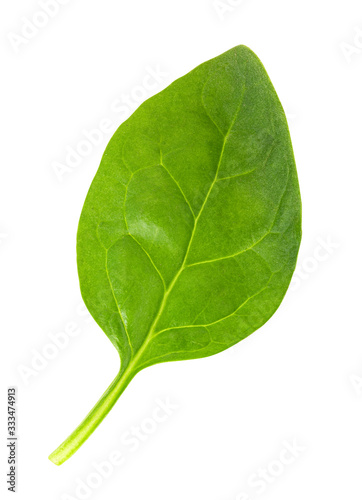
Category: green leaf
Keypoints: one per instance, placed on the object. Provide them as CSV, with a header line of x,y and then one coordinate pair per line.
x,y
190,231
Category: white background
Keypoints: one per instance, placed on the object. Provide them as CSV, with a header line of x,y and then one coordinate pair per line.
x,y
297,379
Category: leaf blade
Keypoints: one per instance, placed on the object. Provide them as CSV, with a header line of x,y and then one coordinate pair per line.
x,y
248,150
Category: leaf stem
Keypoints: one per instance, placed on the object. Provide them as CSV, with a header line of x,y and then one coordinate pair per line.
x,y
93,419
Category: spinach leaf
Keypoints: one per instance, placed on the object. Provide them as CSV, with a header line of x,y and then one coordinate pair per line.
x,y
190,230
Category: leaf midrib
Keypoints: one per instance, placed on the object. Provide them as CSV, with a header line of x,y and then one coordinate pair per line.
x,y
148,337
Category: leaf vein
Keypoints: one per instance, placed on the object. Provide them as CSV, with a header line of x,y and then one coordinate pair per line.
x,y
150,258
269,231
178,185
220,319
118,308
